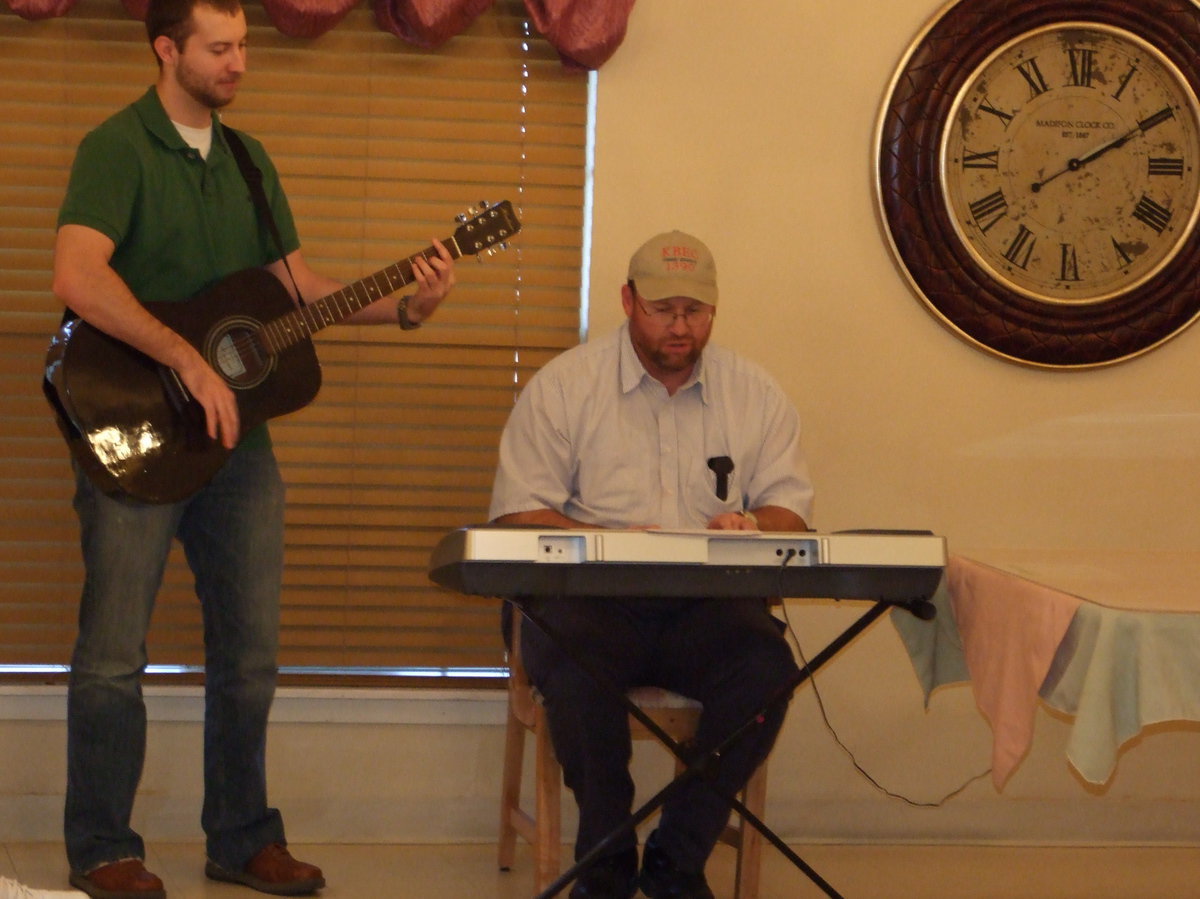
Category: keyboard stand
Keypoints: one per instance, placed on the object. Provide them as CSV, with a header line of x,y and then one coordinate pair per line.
x,y
700,767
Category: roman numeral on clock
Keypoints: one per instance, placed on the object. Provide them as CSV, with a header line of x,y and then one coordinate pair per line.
x,y
1126,259
986,106
1069,269
1082,63
1124,82
1150,213
989,159
1166,165
1033,75
989,210
1021,248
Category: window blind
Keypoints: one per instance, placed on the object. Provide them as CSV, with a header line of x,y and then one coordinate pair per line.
x,y
379,146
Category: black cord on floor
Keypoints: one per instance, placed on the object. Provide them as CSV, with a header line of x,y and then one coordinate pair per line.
x,y
846,749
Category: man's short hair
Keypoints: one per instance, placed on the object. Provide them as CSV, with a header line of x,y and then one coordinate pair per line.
x,y
173,18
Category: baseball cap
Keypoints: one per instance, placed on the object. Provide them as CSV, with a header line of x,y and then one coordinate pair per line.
x,y
674,264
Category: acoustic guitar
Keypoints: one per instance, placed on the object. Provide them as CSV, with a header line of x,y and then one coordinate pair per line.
x,y
132,425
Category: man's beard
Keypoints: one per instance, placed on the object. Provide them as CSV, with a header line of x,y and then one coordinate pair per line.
x,y
673,361
201,92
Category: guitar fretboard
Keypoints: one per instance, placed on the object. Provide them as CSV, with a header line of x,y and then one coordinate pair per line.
x,y
487,231
301,324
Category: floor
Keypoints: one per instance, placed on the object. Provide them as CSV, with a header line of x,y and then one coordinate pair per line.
x,y
856,872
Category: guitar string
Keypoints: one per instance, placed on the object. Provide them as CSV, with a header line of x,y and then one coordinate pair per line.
x,y
246,341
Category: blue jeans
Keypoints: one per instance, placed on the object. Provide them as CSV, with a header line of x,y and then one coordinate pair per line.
x,y
232,534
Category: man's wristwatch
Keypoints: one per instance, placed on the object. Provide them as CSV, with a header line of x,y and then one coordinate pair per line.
x,y
406,323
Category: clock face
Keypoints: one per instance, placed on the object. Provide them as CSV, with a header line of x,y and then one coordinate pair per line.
x,y
1071,163
1038,175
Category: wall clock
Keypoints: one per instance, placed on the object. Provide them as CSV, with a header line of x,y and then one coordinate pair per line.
x,y
1038,175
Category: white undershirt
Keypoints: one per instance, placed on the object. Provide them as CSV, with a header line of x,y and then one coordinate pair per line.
x,y
200,139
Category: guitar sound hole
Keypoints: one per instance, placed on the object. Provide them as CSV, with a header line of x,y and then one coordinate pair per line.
x,y
238,355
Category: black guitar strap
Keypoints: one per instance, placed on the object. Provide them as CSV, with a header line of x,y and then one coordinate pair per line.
x,y
254,179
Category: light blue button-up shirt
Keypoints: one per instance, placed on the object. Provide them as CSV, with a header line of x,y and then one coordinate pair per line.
x,y
595,437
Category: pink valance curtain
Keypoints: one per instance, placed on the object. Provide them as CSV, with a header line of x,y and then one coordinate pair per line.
x,y
584,32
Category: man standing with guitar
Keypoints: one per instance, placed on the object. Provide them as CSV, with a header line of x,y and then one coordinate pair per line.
x,y
158,209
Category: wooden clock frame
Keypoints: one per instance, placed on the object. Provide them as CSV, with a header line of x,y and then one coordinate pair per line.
x,y
966,298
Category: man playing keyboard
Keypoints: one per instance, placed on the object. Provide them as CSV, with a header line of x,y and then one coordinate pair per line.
x,y
651,427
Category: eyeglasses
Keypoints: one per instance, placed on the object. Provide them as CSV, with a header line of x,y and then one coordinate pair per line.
x,y
696,315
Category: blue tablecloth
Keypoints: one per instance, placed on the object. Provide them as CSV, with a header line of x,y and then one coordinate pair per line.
x,y
1115,670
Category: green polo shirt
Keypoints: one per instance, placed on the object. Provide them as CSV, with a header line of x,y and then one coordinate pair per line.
x,y
180,222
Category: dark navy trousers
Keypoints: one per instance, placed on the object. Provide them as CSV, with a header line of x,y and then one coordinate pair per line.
x,y
729,654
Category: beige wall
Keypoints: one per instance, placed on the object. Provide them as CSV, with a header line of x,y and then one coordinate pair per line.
x,y
752,125
754,129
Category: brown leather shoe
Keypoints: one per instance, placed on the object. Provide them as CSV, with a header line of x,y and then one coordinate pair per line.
x,y
272,871
127,879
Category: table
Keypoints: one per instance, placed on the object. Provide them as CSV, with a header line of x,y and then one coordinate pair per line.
x,y
1115,642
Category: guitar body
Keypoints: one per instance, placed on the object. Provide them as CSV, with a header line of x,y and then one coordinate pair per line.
x,y
131,424
128,421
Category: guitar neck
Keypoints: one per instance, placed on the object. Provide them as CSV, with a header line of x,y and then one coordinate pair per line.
x,y
484,233
336,307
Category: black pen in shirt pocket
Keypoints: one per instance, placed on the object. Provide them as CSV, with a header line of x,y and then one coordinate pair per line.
x,y
722,467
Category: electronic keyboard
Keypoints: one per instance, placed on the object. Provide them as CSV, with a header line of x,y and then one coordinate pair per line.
x,y
891,566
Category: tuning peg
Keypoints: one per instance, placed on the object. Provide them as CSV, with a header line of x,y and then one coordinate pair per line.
x,y
461,218
484,204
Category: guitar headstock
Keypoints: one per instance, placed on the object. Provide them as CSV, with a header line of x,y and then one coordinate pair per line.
x,y
486,229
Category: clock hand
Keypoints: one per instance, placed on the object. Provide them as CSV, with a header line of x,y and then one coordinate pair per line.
x,y
1111,145
1074,165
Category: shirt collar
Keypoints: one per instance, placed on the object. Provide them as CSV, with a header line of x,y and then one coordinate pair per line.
x,y
154,119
